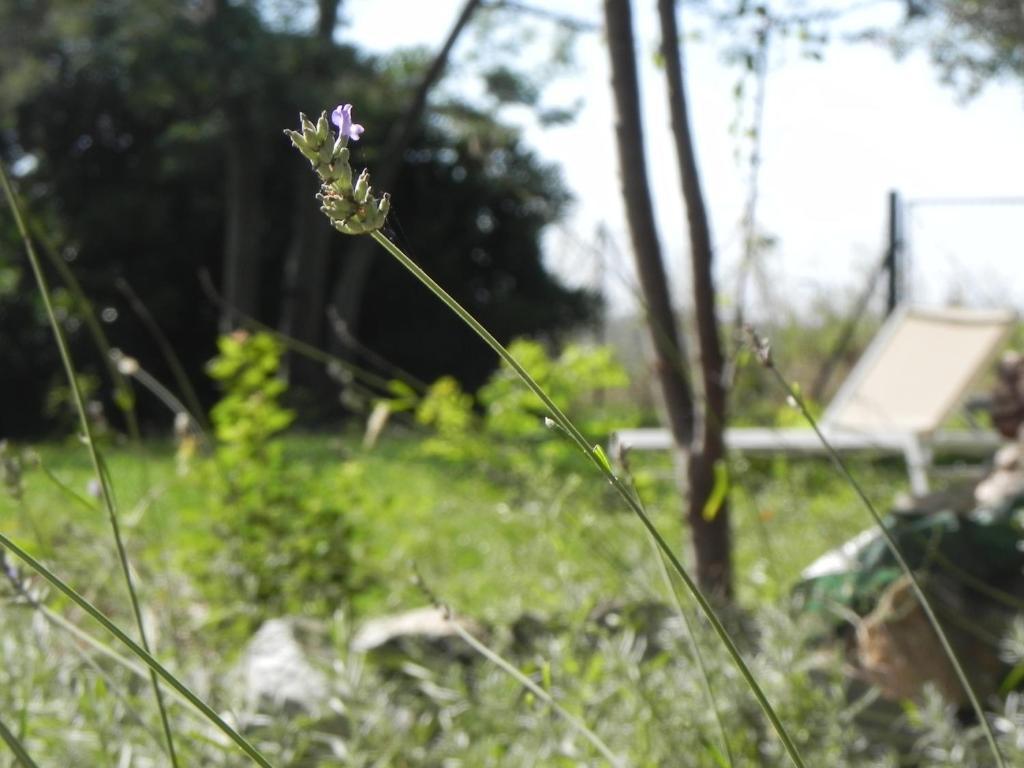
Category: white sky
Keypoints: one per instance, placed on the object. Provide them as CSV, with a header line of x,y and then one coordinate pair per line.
x,y
837,136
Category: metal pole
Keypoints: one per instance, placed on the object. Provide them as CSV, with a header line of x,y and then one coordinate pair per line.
x,y
892,259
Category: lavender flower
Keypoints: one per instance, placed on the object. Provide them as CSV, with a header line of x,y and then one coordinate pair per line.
x,y
352,208
342,117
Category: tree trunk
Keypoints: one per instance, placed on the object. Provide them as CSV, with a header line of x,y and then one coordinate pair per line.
x,y
670,357
350,285
243,193
302,309
243,219
306,266
711,538
327,19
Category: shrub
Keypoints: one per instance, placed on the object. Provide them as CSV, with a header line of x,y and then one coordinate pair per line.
x,y
281,545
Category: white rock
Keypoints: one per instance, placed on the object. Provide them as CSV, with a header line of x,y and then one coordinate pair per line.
x,y
429,623
275,670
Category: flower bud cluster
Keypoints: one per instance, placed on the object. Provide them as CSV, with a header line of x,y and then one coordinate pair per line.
x,y
352,208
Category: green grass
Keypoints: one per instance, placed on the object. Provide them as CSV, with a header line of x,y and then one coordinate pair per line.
x,y
491,537
473,536
494,544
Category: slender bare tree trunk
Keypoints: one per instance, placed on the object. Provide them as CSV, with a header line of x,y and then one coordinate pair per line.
x,y
306,266
327,18
670,356
711,538
302,312
243,193
350,286
243,219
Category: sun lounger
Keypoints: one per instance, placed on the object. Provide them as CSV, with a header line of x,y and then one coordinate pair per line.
x,y
913,375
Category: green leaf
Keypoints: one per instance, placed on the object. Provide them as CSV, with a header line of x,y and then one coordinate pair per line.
x,y
1013,679
718,491
715,754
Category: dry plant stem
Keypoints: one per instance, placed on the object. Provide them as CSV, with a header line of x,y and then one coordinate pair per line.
x,y
155,666
188,392
64,488
101,476
16,747
341,331
121,383
498,660
170,401
904,565
598,459
535,689
749,222
297,345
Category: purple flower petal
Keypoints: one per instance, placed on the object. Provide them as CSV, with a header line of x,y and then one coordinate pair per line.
x,y
342,118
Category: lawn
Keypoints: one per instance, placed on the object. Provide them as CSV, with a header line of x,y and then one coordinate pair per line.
x,y
473,530
517,531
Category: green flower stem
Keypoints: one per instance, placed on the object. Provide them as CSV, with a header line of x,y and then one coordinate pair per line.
x,y
131,711
16,747
56,620
139,670
705,677
598,459
904,565
101,476
155,666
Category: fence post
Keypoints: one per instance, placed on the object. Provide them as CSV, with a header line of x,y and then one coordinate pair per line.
x,y
893,265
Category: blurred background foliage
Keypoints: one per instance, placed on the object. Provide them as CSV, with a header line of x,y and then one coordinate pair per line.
x,y
146,139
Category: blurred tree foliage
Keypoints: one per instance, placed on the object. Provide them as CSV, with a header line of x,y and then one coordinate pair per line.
x,y
971,41
146,138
